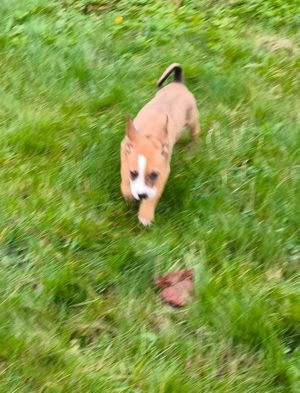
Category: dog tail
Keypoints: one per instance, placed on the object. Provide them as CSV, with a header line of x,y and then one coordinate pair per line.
x,y
176,68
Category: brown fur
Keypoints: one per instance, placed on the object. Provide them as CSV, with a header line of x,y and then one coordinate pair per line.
x,y
153,133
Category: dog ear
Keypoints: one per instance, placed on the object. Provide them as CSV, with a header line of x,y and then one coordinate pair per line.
x,y
130,129
165,150
166,127
128,146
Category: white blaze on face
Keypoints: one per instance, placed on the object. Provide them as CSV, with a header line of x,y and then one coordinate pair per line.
x,y
138,185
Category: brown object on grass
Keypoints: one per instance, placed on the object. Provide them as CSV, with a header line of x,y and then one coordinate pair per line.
x,y
176,287
177,3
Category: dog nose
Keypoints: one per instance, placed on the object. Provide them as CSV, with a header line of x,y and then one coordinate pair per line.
x,y
143,196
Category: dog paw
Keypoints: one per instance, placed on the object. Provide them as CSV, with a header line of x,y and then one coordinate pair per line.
x,y
144,221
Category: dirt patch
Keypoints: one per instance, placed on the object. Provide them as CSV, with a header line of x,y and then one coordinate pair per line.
x,y
98,8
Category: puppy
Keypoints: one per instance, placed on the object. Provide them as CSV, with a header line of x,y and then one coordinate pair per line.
x,y
148,143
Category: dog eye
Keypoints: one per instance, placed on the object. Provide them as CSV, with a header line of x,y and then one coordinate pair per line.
x,y
153,176
133,174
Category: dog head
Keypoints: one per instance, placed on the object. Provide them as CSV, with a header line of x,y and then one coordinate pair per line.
x,y
147,159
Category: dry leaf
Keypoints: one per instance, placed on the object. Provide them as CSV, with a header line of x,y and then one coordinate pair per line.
x,y
176,287
173,278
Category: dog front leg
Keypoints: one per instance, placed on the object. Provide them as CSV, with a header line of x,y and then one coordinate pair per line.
x,y
125,190
125,183
147,210
147,206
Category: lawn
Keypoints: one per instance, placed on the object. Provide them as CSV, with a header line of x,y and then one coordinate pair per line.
x,y
79,311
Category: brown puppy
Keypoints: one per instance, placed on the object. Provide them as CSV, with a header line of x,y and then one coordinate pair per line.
x,y
147,146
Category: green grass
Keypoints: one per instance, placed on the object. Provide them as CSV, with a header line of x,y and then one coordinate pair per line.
x,y
78,308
